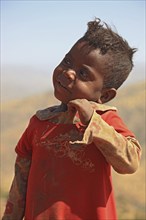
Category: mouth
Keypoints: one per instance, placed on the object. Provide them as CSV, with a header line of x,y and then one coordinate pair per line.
x,y
63,86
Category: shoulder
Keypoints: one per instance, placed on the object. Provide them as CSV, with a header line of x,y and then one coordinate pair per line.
x,y
46,113
111,116
101,108
42,115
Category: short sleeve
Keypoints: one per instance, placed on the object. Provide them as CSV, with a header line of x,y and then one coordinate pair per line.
x,y
24,145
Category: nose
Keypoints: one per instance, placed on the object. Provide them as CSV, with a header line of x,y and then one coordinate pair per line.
x,y
70,74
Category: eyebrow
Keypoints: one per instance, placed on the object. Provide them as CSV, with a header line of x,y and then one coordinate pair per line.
x,y
88,68
68,55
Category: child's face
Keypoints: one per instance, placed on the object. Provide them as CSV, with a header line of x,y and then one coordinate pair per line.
x,y
79,76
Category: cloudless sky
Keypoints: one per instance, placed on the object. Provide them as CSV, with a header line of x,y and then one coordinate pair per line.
x,y
37,34
40,32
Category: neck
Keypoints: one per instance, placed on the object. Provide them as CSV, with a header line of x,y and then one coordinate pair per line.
x,y
63,107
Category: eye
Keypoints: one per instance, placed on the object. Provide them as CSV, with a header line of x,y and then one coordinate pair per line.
x,y
66,61
83,74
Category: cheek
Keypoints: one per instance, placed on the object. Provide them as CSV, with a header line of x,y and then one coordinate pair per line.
x,y
55,73
57,70
88,91
96,92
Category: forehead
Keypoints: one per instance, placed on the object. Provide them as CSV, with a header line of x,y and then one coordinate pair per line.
x,y
82,47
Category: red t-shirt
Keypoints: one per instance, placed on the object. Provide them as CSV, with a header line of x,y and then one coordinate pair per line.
x,y
65,182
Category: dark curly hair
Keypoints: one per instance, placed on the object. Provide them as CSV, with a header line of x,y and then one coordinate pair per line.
x,y
116,50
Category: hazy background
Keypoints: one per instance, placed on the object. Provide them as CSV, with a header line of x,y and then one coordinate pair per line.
x,y
35,36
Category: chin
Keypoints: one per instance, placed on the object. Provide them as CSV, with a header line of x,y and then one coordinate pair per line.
x,y
60,98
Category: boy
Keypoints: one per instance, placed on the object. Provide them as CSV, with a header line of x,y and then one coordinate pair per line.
x,y
63,167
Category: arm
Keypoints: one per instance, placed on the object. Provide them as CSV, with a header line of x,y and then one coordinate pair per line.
x,y
15,206
123,153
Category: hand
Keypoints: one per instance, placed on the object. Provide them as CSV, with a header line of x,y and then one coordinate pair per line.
x,y
84,109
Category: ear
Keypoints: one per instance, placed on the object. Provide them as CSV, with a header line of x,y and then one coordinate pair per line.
x,y
107,95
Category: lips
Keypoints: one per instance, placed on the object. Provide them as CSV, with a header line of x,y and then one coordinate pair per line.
x,y
61,85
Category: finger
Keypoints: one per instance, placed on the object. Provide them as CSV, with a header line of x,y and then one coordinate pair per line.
x,y
71,108
77,103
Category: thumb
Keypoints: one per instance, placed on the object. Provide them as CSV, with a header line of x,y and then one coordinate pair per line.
x,y
71,108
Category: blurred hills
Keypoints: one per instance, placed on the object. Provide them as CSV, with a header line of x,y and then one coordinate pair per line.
x,y
29,80
130,101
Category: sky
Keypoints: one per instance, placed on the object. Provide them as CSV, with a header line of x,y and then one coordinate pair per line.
x,y
37,34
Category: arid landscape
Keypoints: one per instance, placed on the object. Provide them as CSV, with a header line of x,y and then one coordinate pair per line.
x,y
129,189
